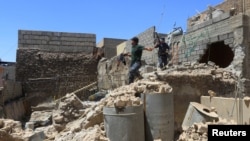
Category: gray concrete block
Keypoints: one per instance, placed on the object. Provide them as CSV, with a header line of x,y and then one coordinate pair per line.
x,y
231,45
201,52
225,16
198,43
216,19
195,27
214,39
190,29
203,47
202,25
205,41
230,35
223,37
229,41
54,42
194,52
209,22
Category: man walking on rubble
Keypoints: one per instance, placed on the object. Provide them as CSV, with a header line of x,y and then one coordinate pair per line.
x,y
163,49
136,53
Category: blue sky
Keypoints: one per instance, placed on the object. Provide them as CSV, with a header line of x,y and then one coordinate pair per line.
x,y
106,18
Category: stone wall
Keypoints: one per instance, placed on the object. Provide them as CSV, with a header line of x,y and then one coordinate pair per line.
x,y
51,64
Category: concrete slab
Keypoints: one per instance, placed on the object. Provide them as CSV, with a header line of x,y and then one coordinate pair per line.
x,y
230,108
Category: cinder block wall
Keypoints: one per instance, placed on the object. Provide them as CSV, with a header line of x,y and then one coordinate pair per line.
x,y
223,28
110,45
231,29
146,38
51,64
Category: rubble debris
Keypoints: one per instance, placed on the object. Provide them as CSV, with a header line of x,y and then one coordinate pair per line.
x,y
40,118
198,113
68,109
193,69
95,133
47,106
198,131
211,93
73,119
11,130
97,96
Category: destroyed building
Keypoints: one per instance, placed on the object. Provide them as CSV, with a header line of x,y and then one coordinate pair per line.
x,y
209,65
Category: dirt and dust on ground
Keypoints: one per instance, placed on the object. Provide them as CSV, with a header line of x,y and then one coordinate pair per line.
x,y
69,118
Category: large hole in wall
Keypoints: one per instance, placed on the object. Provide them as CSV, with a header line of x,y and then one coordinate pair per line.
x,y
219,53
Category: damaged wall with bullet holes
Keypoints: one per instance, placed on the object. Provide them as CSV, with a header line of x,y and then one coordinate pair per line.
x,y
218,38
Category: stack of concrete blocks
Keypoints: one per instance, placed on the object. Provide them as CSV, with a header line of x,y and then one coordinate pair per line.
x,y
109,45
51,64
146,38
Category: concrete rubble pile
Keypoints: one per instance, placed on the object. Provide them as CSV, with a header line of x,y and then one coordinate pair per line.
x,y
10,130
198,131
91,119
195,69
68,118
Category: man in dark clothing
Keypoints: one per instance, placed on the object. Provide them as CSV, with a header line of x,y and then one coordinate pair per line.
x,y
136,53
163,49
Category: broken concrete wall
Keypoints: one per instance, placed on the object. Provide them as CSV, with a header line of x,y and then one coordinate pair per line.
x,y
234,7
222,40
191,81
224,28
110,75
51,64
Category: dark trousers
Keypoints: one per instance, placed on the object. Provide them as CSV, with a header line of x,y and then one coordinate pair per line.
x,y
134,71
162,60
